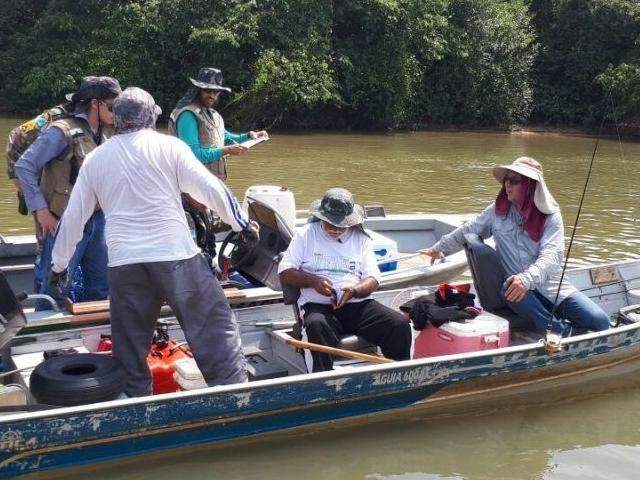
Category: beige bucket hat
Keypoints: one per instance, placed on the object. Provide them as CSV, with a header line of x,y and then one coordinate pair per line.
x,y
530,168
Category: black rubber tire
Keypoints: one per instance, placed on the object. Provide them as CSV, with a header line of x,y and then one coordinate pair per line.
x,y
77,379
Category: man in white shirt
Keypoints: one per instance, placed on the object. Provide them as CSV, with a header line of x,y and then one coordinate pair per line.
x,y
333,264
137,177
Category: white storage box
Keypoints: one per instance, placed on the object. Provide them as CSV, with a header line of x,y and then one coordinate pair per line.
x,y
634,296
384,248
188,375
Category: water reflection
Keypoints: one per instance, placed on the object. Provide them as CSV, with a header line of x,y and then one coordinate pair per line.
x,y
596,437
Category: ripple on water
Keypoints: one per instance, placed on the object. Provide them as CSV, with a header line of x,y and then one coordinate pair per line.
x,y
605,462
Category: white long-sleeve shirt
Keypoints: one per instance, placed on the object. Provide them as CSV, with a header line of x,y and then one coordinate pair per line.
x,y
137,179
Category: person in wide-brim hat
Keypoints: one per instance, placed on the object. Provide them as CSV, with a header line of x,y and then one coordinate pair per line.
x,y
332,263
338,208
196,121
209,79
526,224
528,167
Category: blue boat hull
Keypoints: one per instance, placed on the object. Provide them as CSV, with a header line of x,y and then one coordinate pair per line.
x,y
82,435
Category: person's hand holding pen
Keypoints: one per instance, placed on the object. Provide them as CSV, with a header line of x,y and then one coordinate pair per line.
x,y
235,149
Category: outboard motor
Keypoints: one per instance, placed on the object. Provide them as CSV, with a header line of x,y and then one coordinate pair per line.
x,y
279,199
275,236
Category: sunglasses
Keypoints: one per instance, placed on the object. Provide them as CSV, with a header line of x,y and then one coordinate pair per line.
x,y
512,179
333,228
109,106
209,91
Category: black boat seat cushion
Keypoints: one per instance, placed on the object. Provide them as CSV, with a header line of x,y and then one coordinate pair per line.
x,y
488,278
12,317
350,342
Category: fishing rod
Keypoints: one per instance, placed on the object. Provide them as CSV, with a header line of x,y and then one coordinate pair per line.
x,y
553,343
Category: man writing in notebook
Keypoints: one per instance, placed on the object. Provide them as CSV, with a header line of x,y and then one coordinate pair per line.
x,y
333,264
196,122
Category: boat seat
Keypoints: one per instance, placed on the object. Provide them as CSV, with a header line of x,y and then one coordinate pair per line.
x,y
374,210
350,342
12,317
488,278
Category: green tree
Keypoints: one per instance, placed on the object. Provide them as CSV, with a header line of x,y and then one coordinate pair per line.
x,y
483,77
580,40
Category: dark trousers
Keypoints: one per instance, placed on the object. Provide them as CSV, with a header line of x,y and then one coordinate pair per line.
x,y
369,319
199,304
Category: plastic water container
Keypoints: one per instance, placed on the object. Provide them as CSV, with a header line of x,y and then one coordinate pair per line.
x,y
484,332
279,198
384,248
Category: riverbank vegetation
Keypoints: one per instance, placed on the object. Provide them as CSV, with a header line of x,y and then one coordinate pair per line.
x,y
348,64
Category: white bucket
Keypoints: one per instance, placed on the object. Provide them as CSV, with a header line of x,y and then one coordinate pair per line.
x,y
279,198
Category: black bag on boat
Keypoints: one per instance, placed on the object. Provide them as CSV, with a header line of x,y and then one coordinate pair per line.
x,y
450,296
422,310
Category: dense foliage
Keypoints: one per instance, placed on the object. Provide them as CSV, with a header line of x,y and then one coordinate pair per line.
x,y
365,64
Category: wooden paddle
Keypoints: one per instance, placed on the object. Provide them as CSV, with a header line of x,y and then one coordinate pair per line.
x,y
338,352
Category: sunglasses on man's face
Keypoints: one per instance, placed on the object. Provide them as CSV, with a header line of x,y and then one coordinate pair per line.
x,y
512,179
208,91
329,227
109,106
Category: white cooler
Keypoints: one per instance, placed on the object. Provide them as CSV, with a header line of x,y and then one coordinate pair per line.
x,y
188,375
384,248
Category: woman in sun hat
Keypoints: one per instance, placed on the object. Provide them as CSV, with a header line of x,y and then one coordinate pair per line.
x,y
333,264
527,228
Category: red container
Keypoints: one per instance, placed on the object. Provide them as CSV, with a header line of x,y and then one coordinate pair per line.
x,y
161,362
484,332
105,344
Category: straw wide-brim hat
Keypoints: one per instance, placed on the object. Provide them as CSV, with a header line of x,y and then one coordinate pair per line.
x,y
530,168
338,208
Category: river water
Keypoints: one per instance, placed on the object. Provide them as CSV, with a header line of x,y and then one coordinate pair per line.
x,y
597,437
